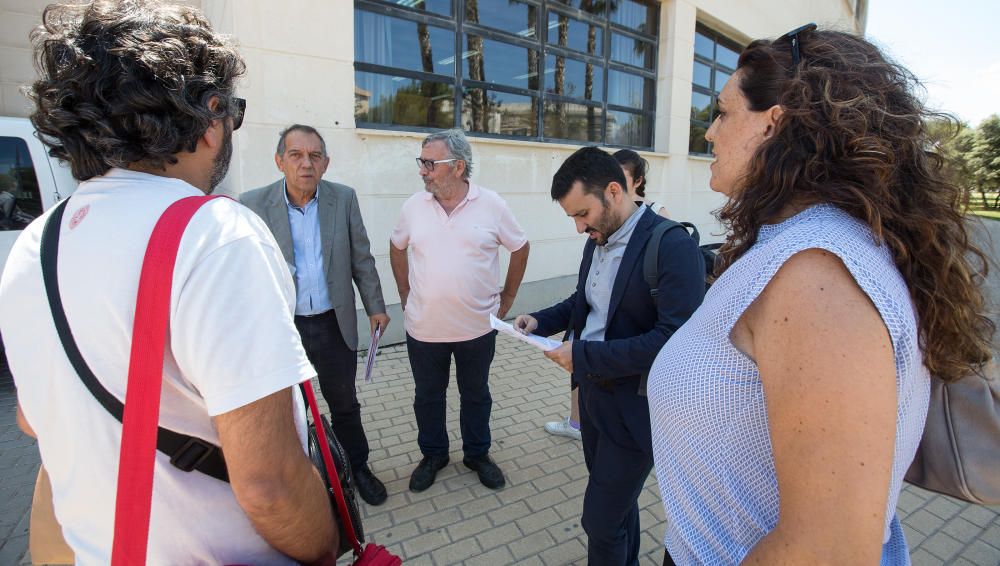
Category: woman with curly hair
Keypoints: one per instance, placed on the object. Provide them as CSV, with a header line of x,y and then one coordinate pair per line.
x,y
787,410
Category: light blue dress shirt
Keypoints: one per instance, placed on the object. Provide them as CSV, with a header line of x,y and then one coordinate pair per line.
x,y
311,295
601,279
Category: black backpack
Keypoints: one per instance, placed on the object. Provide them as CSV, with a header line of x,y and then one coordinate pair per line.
x,y
649,262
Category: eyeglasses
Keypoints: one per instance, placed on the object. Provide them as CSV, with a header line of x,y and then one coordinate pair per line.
x,y
429,164
793,37
241,109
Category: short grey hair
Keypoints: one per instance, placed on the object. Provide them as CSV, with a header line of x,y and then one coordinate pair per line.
x,y
299,128
457,144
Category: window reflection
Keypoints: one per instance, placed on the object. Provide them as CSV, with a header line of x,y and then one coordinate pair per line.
x,y
436,6
635,15
625,89
571,33
569,77
412,61
568,121
20,199
715,61
501,63
393,42
701,107
496,112
512,16
383,99
631,51
626,128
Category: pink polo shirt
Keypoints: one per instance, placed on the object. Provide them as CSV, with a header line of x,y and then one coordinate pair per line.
x,y
455,263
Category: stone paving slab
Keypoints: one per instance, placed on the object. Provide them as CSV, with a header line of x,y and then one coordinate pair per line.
x,y
536,518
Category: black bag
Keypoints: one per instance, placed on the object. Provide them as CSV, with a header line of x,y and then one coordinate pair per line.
x,y
650,268
345,478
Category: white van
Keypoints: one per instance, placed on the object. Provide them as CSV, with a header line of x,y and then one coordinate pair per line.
x,y
30,181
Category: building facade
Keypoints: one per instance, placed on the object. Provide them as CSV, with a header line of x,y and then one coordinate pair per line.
x,y
529,80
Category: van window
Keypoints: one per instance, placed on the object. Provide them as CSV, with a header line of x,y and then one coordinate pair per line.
x,y
20,199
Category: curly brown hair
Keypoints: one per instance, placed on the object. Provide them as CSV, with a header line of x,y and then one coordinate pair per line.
x,y
852,134
127,82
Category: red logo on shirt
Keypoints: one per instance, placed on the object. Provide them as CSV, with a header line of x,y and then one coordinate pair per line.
x,y
78,217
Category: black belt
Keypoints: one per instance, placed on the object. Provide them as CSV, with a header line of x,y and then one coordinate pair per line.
x,y
314,316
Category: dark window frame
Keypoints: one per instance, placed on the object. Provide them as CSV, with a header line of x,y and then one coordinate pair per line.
x,y
712,92
539,44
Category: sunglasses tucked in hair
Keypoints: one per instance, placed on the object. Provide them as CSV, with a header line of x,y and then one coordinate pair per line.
x,y
793,38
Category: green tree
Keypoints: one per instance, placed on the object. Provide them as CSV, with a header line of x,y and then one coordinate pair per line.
x,y
984,158
953,141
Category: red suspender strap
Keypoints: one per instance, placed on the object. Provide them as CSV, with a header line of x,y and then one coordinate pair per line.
x,y
145,376
331,469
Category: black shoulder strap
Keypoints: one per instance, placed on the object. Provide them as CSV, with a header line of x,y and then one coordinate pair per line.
x,y
652,255
186,452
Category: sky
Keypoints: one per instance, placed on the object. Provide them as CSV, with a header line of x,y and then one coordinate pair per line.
x,y
953,47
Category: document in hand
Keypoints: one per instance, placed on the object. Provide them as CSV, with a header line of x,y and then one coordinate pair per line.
x,y
372,350
539,342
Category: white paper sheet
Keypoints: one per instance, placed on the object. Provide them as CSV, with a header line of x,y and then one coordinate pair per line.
x,y
540,342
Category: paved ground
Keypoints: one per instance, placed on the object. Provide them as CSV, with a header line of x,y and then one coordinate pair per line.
x,y
535,519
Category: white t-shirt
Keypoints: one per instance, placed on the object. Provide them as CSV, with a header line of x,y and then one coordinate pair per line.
x,y
232,341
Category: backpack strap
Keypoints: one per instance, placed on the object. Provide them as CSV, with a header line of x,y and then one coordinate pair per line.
x,y
650,267
186,453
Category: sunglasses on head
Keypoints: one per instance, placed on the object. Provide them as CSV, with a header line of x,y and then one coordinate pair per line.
x,y
793,38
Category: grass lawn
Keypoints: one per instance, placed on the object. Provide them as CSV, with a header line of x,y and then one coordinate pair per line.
x,y
991,214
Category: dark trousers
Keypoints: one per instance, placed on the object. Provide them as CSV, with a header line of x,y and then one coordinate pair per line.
x,y
431,364
617,448
336,366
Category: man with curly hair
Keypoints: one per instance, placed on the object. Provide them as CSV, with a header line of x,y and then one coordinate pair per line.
x,y
138,98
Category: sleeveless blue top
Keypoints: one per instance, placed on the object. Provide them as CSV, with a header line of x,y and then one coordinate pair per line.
x,y
711,440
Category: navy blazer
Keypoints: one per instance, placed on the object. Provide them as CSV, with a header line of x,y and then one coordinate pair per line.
x,y
638,325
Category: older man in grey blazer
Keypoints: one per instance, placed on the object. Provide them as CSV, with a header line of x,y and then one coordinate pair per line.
x,y
318,227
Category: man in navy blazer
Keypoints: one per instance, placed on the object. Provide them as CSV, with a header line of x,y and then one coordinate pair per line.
x,y
616,328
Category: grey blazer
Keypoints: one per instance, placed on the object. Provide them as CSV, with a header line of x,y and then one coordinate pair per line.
x,y
346,252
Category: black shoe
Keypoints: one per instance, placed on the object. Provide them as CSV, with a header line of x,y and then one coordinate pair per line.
x,y
489,474
369,487
426,471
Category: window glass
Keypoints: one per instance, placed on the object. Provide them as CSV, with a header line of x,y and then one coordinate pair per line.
x,y
697,142
626,128
571,33
626,89
701,107
20,199
715,61
404,44
702,75
630,51
636,15
530,69
721,78
384,99
500,63
511,16
704,46
497,112
589,6
726,56
568,121
569,77
442,7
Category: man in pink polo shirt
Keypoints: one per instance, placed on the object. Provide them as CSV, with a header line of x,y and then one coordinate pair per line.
x,y
455,229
